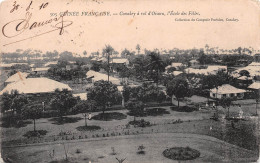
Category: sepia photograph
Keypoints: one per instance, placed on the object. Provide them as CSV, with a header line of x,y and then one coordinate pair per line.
x,y
113,81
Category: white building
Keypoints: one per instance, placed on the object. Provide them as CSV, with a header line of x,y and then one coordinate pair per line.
x,y
35,86
227,90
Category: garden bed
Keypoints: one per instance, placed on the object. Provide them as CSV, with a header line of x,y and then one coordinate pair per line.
x,y
88,128
181,153
184,108
109,116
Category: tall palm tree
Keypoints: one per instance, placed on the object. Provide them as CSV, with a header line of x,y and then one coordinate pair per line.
x,y
107,51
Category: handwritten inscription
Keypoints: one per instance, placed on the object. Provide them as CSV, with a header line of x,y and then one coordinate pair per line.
x,y
16,27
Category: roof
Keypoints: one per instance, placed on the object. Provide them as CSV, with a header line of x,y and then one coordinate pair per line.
x,y
255,85
41,69
254,64
11,64
17,77
35,85
227,89
245,78
212,69
51,63
175,73
253,69
120,60
193,61
96,76
176,64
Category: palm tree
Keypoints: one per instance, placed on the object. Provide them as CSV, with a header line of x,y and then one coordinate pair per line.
x,y
156,64
108,50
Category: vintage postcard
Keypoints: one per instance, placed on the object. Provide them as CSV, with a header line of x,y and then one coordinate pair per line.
x,y
129,81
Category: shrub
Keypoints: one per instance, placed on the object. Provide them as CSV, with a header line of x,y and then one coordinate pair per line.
x,y
181,153
141,149
78,151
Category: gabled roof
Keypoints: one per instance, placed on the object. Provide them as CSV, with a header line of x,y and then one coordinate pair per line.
x,y
255,85
227,89
35,85
17,77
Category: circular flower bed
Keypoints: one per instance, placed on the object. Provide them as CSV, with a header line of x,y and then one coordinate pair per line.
x,y
181,153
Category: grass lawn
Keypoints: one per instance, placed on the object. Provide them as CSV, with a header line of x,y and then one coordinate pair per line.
x,y
196,122
99,150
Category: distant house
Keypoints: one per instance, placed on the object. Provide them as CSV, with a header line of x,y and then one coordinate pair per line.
x,y
35,86
41,70
176,65
210,70
253,69
194,62
120,61
19,76
82,96
49,64
227,90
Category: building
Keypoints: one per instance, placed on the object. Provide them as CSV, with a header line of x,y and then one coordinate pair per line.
x,y
41,70
123,61
96,76
253,69
16,77
194,62
82,96
210,70
49,64
227,90
35,86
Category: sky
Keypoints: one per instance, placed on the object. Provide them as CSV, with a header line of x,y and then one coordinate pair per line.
x,y
92,33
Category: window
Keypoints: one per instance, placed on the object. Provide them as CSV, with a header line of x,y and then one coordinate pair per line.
x,y
224,95
214,95
232,95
